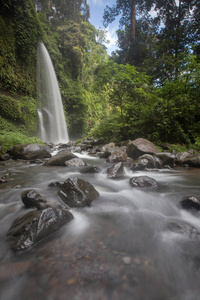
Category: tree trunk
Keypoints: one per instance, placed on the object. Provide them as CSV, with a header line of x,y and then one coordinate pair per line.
x,y
133,20
49,4
177,38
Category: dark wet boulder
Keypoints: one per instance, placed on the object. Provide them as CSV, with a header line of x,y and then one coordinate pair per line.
x,y
77,192
167,158
93,151
84,146
75,162
107,150
180,156
56,184
2,180
29,151
31,198
5,156
60,158
90,169
116,171
192,160
146,161
143,182
37,225
190,203
139,147
107,146
36,161
117,155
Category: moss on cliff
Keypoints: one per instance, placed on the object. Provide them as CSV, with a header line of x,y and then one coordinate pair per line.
x,y
20,110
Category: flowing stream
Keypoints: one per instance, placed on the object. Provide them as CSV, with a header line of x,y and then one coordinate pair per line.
x,y
121,247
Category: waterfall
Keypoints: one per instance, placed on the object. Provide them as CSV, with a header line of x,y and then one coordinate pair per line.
x,y
52,124
41,125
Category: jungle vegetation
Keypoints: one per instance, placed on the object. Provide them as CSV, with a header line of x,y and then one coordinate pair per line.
x,y
149,87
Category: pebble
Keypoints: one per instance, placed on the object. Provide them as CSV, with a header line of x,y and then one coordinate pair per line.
x,y
17,186
126,260
2,180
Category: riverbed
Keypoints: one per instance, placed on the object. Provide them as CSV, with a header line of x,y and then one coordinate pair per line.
x,y
121,247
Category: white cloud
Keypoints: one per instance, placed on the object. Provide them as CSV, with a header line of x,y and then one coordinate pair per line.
x,y
112,37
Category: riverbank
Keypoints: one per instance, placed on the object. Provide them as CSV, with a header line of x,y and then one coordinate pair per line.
x,y
129,243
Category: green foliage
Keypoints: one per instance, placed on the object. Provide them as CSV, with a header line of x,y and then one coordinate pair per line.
x,y
160,40
27,31
10,139
179,147
78,141
186,147
109,128
19,33
6,125
104,98
21,111
57,11
196,145
126,92
73,95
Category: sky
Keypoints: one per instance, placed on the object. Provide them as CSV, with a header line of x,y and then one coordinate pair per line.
x,y
96,18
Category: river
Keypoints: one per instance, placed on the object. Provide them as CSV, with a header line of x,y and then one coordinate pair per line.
x,y
121,247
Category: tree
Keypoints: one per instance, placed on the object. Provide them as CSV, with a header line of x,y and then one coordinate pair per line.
x,y
127,91
59,10
128,10
176,36
159,41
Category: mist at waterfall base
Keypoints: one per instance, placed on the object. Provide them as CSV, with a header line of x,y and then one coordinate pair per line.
x,y
122,247
52,124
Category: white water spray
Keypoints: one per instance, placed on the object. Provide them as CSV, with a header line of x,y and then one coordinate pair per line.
x,y
52,124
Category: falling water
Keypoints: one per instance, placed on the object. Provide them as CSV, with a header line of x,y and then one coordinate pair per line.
x,y
41,125
52,124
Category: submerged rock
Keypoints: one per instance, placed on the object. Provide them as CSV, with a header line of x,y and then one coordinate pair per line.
x,y
143,181
56,184
146,161
167,158
183,228
77,192
116,171
193,160
60,158
32,198
29,151
75,162
36,225
90,169
36,161
139,147
190,203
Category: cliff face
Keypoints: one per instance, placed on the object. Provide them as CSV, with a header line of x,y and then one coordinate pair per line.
x,y
19,33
